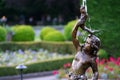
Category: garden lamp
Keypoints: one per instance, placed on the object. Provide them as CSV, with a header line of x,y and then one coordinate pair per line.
x,y
21,67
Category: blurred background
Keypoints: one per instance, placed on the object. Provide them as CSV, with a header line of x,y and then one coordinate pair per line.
x,y
37,33
39,12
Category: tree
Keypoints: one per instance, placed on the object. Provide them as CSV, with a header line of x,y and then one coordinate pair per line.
x,y
2,4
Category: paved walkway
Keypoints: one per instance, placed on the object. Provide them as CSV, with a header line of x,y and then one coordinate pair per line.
x,y
33,76
44,78
38,76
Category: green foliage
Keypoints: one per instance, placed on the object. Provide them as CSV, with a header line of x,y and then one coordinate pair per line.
x,y
62,47
23,33
54,36
36,67
68,30
45,31
2,4
102,54
3,34
105,17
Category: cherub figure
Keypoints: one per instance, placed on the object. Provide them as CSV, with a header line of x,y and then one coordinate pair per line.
x,y
86,54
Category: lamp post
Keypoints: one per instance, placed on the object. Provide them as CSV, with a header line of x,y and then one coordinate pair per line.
x,y
21,67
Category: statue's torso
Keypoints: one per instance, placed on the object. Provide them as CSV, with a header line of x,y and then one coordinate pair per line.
x,y
81,62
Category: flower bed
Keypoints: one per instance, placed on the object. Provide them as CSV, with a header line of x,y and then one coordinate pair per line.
x,y
9,58
108,69
36,61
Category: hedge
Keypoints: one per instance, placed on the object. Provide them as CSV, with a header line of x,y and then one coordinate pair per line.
x,y
3,34
37,67
60,47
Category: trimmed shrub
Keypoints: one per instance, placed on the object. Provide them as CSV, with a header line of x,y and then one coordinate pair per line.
x,y
40,66
62,47
54,36
3,34
68,30
45,31
102,54
23,33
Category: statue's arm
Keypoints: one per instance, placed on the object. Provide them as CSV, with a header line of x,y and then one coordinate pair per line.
x,y
88,30
74,40
82,23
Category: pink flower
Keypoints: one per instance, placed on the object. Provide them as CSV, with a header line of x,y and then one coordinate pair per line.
x,y
117,63
55,72
97,60
67,65
111,69
106,66
102,61
118,59
112,59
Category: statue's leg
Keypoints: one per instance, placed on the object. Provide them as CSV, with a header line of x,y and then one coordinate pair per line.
x,y
95,70
76,65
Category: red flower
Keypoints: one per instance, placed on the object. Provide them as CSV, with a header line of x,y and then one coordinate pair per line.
x,y
118,59
117,63
97,60
67,65
102,61
112,59
106,66
55,72
111,69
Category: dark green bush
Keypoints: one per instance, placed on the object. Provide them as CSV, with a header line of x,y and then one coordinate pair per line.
x,y
23,33
54,36
61,47
36,67
102,54
3,34
45,31
106,19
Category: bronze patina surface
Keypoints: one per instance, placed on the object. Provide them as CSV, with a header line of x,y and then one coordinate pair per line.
x,y
86,54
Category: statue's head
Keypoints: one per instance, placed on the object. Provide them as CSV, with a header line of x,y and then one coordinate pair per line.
x,y
92,40
82,9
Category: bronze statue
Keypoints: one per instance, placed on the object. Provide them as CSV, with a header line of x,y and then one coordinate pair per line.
x,y
86,54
